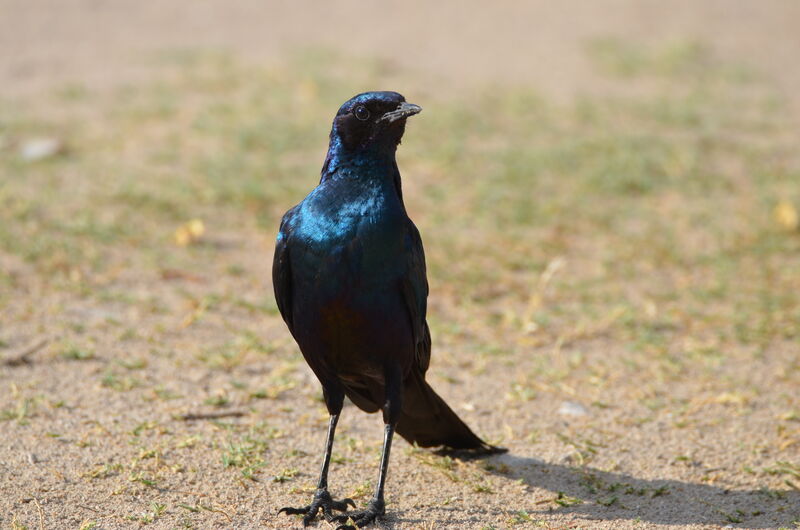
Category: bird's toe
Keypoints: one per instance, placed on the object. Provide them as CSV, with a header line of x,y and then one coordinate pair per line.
x,y
358,520
361,519
342,505
294,511
309,517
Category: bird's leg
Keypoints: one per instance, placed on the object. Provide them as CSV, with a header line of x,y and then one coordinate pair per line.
x,y
377,507
322,498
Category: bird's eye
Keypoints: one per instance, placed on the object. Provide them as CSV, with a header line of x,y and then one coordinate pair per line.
x,y
361,113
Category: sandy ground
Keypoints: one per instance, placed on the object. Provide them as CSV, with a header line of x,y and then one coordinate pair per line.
x,y
539,43
67,470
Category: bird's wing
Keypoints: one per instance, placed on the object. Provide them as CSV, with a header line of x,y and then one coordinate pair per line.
x,y
415,292
281,270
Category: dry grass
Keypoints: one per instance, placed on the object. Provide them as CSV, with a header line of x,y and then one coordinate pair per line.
x,y
620,253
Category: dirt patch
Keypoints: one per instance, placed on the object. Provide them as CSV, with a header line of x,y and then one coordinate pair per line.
x,y
537,44
625,298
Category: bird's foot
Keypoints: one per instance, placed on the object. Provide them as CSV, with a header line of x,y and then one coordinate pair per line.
x,y
375,509
322,501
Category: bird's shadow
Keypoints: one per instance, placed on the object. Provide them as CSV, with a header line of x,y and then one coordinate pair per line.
x,y
593,494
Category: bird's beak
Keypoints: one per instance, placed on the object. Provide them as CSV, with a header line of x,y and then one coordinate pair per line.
x,y
404,110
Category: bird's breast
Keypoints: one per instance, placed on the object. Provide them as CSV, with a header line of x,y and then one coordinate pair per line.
x,y
352,239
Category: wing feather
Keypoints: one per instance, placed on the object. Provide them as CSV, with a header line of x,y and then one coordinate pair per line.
x,y
415,293
282,270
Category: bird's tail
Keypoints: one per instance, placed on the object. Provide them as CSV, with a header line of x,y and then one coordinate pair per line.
x,y
428,421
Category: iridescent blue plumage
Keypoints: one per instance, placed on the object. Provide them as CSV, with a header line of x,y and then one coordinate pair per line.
x,y
350,282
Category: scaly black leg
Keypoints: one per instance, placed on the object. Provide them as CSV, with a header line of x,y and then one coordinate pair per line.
x,y
376,507
322,499
391,413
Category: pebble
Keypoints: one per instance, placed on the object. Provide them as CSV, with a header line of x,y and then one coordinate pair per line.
x,y
570,408
40,148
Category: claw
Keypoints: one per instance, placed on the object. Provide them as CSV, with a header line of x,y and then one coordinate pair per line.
x,y
344,502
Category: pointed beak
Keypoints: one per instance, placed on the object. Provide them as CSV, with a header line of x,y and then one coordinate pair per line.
x,y
404,110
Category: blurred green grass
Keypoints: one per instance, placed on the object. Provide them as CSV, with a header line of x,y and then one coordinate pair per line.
x,y
642,218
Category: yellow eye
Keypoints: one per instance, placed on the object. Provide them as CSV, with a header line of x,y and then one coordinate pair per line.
x,y
361,113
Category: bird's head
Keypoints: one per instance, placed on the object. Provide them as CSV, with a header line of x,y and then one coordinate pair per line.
x,y
372,121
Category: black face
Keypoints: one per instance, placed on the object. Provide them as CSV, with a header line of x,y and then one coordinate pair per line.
x,y
373,120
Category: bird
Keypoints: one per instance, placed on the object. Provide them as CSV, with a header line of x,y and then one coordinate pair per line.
x,y
350,283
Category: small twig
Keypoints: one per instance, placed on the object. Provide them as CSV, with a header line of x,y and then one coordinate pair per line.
x,y
22,357
211,415
197,493
215,510
41,513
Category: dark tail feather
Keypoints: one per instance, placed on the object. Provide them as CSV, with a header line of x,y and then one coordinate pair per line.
x,y
428,421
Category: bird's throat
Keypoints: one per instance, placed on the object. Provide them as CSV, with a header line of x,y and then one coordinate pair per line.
x,y
358,164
